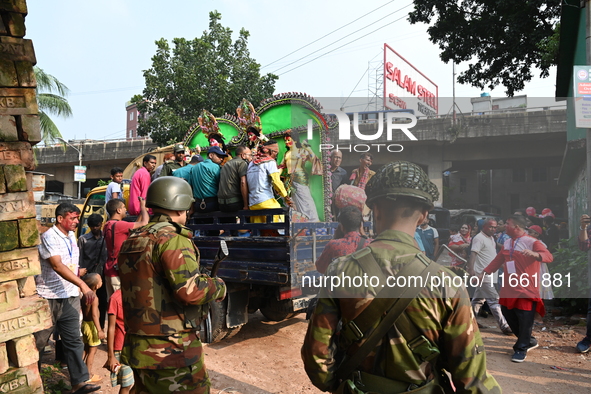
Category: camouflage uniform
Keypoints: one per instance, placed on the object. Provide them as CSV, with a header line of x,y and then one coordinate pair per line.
x,y
162,292
442,315
169,167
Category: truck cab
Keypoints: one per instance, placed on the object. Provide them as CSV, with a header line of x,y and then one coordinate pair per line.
x,y
95,203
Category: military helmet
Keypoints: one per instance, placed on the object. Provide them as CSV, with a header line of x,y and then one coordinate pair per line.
x,y
401,178
169,192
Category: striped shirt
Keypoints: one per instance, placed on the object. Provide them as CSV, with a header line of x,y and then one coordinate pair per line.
x,y
50,284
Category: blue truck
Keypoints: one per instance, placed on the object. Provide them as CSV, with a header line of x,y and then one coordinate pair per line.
x,y
267,273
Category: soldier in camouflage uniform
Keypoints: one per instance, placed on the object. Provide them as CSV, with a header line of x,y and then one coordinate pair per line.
x,y
447,335
179,161
165,296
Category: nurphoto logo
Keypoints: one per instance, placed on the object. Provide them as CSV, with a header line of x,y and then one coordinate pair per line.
x,y
394,121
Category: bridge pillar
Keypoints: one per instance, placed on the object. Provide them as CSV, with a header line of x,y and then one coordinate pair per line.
x,y
431,159
65,175
435,172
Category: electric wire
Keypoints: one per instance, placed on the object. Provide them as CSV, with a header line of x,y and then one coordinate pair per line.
x,y
332,50
326,35
348,35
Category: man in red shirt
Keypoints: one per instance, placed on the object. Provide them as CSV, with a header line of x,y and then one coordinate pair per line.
x,y
350,220
521,256
139,183
116,231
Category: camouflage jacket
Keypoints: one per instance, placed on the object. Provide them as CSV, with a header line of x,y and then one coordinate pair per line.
x,y
161,285
443,315
169,167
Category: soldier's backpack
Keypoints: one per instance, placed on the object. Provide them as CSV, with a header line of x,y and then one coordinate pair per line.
x,y
393,301
140,245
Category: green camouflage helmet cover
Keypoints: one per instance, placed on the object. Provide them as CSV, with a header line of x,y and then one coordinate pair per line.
x,y
401,178
169,192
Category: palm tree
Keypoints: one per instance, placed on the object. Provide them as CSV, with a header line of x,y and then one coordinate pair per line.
x,y
51,99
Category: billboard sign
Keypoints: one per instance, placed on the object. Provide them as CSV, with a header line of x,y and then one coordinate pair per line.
x,y
405,87
79,173
582,94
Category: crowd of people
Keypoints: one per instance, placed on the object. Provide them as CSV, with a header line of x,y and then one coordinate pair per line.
x,y
137,285
250,180
487,250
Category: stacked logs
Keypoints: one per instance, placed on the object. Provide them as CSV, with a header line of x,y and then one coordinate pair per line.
x,y
21,312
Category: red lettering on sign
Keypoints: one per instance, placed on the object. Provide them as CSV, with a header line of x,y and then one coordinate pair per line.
x,y
409,85
584,88
397,101
389,71
428,97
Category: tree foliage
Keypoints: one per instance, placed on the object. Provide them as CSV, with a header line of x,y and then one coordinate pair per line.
x,y
210,72
501,39
52,101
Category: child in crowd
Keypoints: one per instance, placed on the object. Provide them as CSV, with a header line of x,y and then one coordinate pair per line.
x,y
121,374
114,189
454,229
91,327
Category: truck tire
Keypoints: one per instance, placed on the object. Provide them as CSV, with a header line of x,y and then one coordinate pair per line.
x,y
215,325
278,310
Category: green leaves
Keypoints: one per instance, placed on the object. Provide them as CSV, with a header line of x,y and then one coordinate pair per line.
x,y
568,259
501,39
51,101
210,72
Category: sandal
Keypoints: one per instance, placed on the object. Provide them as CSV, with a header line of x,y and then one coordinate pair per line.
x,y
87,388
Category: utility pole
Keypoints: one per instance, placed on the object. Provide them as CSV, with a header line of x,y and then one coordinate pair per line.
x,y
79,161
454,105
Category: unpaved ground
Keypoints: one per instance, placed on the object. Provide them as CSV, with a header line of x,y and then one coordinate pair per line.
x,y
264,358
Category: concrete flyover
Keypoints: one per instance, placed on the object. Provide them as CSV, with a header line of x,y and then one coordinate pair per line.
x,y
490,141
98,157
477,142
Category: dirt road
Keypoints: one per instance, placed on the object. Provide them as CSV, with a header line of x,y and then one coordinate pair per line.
x,y
264,358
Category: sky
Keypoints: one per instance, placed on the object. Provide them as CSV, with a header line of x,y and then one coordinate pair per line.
x,y
100,49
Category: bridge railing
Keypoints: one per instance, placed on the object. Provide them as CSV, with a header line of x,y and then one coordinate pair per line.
x,y
91,142
558,106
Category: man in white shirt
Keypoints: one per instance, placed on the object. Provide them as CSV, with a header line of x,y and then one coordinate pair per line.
x,y
59,283
483,252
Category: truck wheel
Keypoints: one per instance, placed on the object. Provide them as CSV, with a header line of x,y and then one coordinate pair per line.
x,y
214,327
278,310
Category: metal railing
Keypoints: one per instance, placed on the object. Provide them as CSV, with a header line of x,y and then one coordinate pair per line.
x,y
91,142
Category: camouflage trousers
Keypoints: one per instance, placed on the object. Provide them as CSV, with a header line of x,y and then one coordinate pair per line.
x,y
189,380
